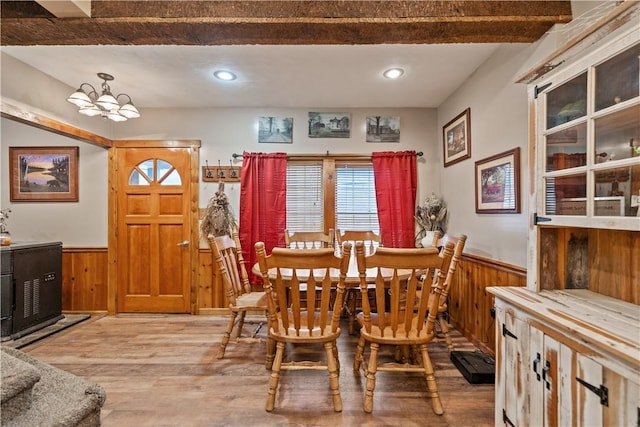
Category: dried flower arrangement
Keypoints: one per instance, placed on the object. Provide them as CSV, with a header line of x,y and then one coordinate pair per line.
x,y
4,215
218,219
431,215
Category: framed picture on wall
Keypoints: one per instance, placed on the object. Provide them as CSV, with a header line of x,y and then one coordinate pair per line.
x,y
456,138
329,125
275,129
43,174
498,183
383,129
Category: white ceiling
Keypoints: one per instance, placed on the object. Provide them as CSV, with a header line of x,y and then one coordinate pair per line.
x,y
268,76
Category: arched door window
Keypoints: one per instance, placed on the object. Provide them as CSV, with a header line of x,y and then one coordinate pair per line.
x,y
154,171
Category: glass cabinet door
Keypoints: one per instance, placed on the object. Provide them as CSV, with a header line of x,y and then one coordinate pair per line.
x,y
591,140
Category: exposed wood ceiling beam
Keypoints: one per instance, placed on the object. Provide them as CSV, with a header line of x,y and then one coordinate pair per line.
x,y
284,22
67,8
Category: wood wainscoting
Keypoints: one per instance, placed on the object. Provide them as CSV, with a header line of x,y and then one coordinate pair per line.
x,y
84,289
470,305
84,280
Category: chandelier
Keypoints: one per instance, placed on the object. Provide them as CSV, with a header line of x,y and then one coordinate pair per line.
x,y
106,105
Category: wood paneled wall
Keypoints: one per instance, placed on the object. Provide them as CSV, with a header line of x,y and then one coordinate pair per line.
x,y
84,279
470,304
84,289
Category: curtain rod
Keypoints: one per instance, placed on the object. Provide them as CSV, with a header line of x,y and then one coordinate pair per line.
x,y
297,156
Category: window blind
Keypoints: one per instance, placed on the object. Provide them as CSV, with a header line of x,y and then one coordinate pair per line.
x,y
305,198
356,207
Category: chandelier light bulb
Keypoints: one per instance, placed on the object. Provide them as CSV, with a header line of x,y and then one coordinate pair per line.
x,y
106,105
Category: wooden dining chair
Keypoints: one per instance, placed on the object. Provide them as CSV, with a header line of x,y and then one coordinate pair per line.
x,y
230,264
297,322
443,298
371,241
309,239
399,324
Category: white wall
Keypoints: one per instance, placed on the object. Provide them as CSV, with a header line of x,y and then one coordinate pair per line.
x,y
82,223
498,123
234,130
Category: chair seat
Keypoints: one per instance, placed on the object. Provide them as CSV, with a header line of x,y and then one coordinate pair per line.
x,y
254,300
315,334
386,335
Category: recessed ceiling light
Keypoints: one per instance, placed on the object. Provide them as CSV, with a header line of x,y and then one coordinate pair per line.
x,y
224,75
393,73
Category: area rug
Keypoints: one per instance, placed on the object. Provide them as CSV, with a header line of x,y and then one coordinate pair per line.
x,y
67,321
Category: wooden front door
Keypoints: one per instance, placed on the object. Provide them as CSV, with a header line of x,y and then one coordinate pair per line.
x,y
154,230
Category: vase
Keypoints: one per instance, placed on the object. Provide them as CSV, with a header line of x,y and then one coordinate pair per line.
x,y
5,238
427,240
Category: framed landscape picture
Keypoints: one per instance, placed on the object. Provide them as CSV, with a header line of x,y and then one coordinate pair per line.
x,y
383,129
43,174
275,129
456,138
498,183
329,125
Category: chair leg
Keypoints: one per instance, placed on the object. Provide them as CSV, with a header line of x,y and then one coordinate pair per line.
x,y
445,331
334,382
271,351
371,378
351,310
271,347
432,386
336,357
240,324
275,377
227,334
357,361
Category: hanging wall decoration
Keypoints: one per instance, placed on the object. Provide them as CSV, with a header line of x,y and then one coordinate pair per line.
x,y
329,125
275,129
383,129
456,138
498,183
43,174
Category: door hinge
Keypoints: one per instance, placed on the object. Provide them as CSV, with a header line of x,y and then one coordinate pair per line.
x,y
602,392
506,332
538,89
537,219
506,419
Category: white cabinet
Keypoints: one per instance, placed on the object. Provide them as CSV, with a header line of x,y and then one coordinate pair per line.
x,y
568,344
561,366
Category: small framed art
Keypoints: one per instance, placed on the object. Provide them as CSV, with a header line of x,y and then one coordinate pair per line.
x,y
456,138
329,125
275,129
43,174
383,129
498,183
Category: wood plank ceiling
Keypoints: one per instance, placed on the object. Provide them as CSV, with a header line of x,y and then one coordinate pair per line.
x,y
26,23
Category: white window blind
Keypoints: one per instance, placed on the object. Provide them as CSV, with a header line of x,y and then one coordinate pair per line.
x,y
305,199
356,207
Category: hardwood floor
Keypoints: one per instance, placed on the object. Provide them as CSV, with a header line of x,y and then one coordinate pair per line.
x,y
161,370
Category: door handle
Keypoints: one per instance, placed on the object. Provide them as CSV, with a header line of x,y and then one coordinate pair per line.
x,y
184,243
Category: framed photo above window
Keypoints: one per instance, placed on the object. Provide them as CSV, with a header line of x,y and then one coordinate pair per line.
x,y
43,174
383,129
275,129
498,183
456,138
329,125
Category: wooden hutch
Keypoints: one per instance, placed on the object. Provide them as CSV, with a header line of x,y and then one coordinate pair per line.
x,y
568,345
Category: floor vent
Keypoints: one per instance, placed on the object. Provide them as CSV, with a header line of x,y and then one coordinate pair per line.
x,y
475,366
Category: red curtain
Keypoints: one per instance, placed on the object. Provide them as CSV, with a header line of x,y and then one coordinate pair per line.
x,y
395,176
263,203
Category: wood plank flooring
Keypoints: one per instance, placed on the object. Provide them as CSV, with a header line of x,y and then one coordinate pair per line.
x,y
161,370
